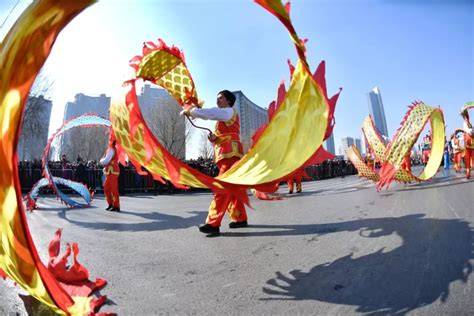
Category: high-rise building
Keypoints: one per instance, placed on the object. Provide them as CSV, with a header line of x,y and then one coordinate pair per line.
x,y
346,142
363,144
150,97
34,134
329,145
358,144
251,118
377,111
87,104
86,143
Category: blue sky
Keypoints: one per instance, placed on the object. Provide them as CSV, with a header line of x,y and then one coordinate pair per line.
x,y
412,50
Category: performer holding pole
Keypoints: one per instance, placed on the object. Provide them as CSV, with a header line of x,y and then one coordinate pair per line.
x,y
111,172
227,151
457,151
468,142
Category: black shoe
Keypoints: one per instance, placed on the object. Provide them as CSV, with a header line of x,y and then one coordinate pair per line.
x,y
238,224
109,208
212,231
115,209
298,191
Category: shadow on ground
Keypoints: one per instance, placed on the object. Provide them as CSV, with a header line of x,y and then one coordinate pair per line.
x,y
35,307
156,221
434,254
438,182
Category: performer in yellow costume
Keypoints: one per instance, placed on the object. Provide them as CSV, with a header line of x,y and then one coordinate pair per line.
x,y
111,172
457,151
370,161
227,151
468,142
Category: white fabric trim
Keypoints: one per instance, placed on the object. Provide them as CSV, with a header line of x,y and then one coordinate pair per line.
x,y
455,147
215,114
468,130
108,157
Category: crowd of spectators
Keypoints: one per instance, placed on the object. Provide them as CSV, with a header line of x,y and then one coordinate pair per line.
x,y
90,173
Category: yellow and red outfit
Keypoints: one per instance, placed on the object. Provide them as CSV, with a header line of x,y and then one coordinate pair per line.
x,y
426,151
370,162
291,182
458,151
111,172
406,164
227,151
468,148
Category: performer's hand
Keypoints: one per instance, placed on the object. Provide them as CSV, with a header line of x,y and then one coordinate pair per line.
x,y
187,111
212,137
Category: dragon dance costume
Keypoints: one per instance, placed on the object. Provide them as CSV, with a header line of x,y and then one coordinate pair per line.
x,y
111,173
304,110
468,148
370,161
458,152
227,151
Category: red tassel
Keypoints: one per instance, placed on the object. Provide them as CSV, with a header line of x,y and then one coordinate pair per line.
x,y
96,303
265,197
74,279
387,175
3,274
288,7
30,203
292,68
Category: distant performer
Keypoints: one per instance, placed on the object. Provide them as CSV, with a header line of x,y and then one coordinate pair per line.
x,y
458,151
426,151
446,154
468,142
370,161
111,173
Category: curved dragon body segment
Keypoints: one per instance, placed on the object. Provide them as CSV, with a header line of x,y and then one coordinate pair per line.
x,y
303,114
467,106
86,120
392,155
364,170
22,54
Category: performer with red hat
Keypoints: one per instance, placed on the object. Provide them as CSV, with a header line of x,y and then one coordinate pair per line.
x,y
468,142
457,151
111,172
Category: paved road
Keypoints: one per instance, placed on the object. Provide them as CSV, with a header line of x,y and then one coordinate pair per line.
x,y
338,248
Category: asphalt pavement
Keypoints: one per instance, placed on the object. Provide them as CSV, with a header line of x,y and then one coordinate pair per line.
x,y
338,248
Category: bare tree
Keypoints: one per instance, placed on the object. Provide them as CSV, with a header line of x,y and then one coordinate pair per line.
x,y
35,124
168,126
205,150
88,143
